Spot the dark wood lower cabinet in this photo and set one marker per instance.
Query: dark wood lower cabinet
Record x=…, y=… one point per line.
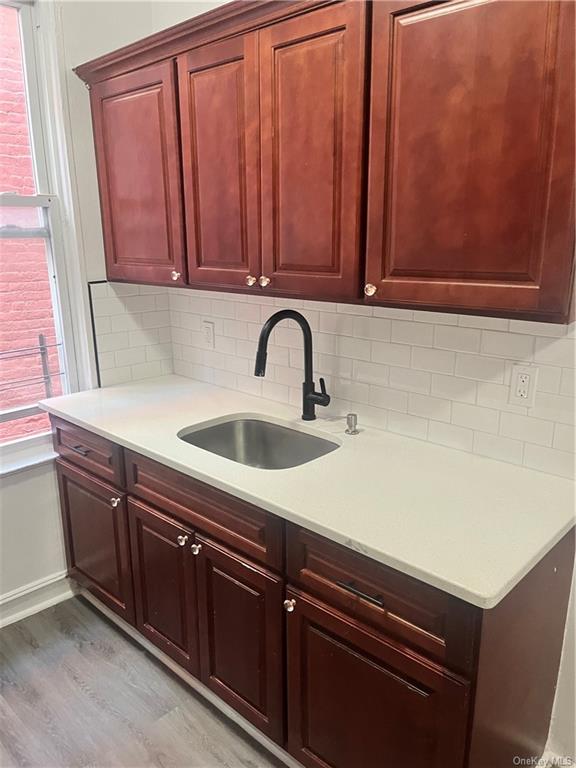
x=368, y=668
x=358, y=700
x=164, y=583
x=241, y=635
x=96, y=537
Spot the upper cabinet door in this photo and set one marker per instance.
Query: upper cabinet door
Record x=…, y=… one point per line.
x=219, y=116
x=312, y=102
x=138, y=160
x=471, y=161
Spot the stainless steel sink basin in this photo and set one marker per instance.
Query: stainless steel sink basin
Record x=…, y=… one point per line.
x=259, y=443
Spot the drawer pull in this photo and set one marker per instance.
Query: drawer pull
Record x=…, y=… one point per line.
x=182, y=540
x=289, y=606
x=196, y=549
x=114, y=501
x=349, y=586
x=81, y=450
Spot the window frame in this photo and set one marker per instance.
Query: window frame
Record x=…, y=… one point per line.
x=43, y=131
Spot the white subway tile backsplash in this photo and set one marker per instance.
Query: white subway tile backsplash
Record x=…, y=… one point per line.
x=453, y=388
x=527, y=429
x=421, y=334
x=371, y=373
x=549, y=460
x=456, y=338
x=378, y=362
x=475, y=417
x=409, y=380
x=497, y=447
x=391, y=354
x=555, y=352
x=564, y=438
x=408, y=425
x=513, y=346
x=429, y=407
x=450, y=435
x=436, y=360
x=392, y=399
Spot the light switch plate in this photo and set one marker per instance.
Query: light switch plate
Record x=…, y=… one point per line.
x=208, y=333
x=523, y=385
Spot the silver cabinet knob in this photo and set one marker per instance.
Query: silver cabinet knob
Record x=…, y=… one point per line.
x=250, y=280
x=263, y=281
x=195, y=548
x=182, y=540
x=175, y=275
x=289, y=606
x=114, y=501
x=370, y=289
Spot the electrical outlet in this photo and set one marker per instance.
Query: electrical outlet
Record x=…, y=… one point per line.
x=523, y=385
x=208, y=333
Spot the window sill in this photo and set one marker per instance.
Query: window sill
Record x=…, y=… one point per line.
x=25, y=453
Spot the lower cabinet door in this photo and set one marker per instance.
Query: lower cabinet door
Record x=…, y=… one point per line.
x=241, y=637
x=96, y=537
x=356, y=700
x=164, y=583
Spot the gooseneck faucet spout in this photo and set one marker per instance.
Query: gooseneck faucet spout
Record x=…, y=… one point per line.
x=310, y=398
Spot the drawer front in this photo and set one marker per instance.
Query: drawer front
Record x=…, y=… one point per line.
x=89, y=451
x=234, y=522
x=427, y=619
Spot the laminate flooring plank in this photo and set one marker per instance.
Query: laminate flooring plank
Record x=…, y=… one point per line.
x=76, y=692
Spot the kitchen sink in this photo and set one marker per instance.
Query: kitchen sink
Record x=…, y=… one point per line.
x=258, y=443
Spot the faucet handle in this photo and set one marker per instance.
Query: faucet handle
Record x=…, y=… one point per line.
x=322, y=386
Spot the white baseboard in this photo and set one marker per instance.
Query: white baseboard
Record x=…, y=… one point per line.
x=34, y=597
x=270, y=745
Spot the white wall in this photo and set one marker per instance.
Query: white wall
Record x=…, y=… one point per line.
x=32, y=565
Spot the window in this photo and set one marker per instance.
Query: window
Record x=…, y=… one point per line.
x=34, y=363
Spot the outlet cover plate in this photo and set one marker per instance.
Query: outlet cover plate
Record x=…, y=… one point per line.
x=523, y=385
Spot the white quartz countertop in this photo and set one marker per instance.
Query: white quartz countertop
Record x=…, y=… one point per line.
x=468, y=525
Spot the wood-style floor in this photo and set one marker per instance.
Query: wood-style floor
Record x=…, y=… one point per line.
x=76, y=692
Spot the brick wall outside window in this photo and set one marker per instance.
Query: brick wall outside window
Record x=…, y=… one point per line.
x=25, y=297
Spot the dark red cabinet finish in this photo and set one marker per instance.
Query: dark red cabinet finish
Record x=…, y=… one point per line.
x=356, y=699
x=312, y=97
x=471, y=167
x=164, y=583
x=220, y=132
x=241, y=635
x=364, y=667
x=138, y=161
x=96, y=537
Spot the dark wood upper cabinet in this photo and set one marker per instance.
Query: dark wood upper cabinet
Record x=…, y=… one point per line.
x=96, y=537
x=356, y=699
x=220, y=147
x=471, y=159
x=241, y=635
x=311, y=102
x=164, y=583
x=138, y=162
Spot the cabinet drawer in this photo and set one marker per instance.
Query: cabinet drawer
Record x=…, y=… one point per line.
x=437, y=624
x=89, y=451
x=234, y=522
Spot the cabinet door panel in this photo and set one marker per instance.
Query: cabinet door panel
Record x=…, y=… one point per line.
x=164, y=584
x=219, y=116
x=138, y=160
x=312, y=98
x=472, y=155
x=96, y=537
x=241, y=643
x=356, y=699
